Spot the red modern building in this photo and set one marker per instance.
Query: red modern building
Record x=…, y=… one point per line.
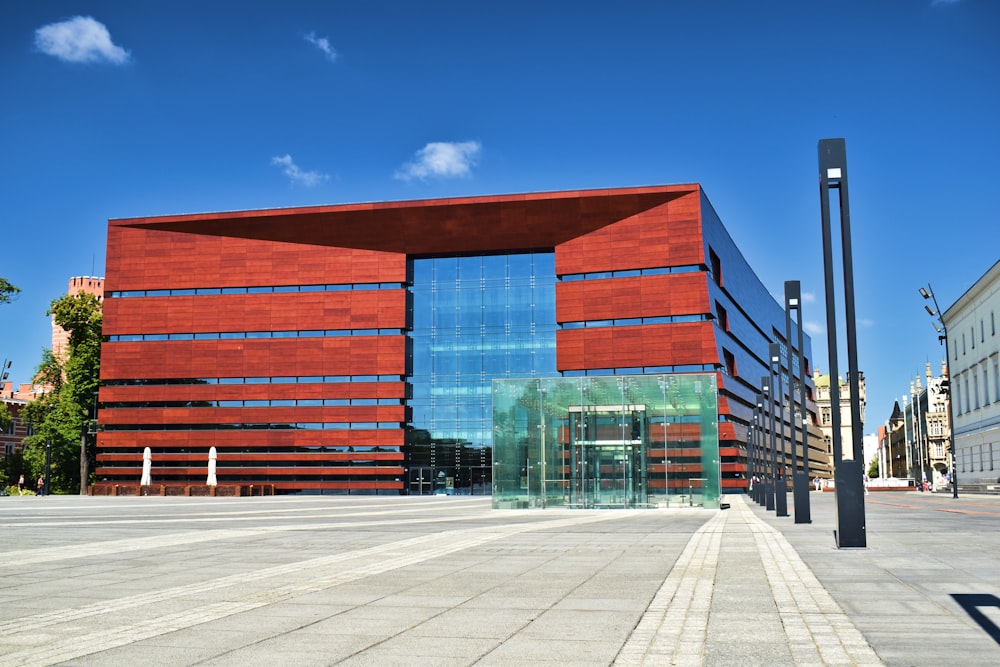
x=351, y=348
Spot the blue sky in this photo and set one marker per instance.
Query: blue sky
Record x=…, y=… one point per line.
x=121, y=109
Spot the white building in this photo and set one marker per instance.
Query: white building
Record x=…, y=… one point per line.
x=974, y=358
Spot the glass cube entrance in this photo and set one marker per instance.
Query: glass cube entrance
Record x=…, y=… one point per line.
x=606, y=442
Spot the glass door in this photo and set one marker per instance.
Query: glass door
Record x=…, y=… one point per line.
x=420, y=481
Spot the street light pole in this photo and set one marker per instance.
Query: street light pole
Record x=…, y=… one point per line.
x=48, y=465
x=943, y=339
x=761, y=448
x=778, y=401
x=767, y=391
x=751, y=464
x=800, y=478
x=921, y=428
x=847, y=472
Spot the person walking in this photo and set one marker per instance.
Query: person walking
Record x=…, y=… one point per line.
x=41, y=486
x=20, y=485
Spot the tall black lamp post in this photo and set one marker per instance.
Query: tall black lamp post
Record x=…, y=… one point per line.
x=4, y=373
x=752, y=455
x=778, y=402
x=48, y=466
x=847, y=472
x=800, y=478
x=943, y=339
x=767, y=392
x=761, y=451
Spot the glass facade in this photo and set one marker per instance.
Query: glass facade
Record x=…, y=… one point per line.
x=606, y=442
x=475, y=319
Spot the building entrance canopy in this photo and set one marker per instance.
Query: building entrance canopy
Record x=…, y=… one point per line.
x=633, y=441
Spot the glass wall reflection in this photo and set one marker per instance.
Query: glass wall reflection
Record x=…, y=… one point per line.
x=474, y=319
x=631, y=441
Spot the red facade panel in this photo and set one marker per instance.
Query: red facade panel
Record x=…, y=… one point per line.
x=632, y=297
x=347, y=355
x=680, y=344
x=666, y=235
x=147, y=259
x=357, y=309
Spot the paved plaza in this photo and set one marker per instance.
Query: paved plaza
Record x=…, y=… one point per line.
x=324, y=580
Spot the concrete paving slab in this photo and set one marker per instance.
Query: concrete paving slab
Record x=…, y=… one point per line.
x=389, y=580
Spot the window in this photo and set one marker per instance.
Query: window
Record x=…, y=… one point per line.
x=996, y=377
x=730, y=362
x=716, y=267
x=825, y=416
x=986, y=383
x=975, y=389
x=723, y=316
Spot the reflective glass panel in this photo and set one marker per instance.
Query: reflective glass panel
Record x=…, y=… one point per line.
x=628, y=441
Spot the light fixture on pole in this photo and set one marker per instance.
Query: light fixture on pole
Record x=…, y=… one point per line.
x=942, y=330
x=800, y=478
x=761, y=450
x=848, y=472
x=754, y=470
x=769, y=457
x=778, y=402
x=48, y=467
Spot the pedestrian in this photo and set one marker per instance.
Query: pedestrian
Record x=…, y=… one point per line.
x=20, y=485
x=864, y=481
x=41, y=485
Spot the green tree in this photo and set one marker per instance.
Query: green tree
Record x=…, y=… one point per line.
x=873, y=468
x=5, y=417
x=8, y=292
x=60, y=416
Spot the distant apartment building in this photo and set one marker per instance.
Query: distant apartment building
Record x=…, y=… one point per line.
x=12, y=436
x=824, y=410
x=914, y=440
x=974, y=357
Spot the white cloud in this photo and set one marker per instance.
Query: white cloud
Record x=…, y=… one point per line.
x=295, y=174
x=866, y=323
x=80, y=39
x=808, y=297
x=441, y=159
x=323, y=44
x=813, y=328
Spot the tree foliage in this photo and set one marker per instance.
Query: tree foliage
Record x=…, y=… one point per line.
x=873, y=468
x=8, y=292
x=59, y=416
